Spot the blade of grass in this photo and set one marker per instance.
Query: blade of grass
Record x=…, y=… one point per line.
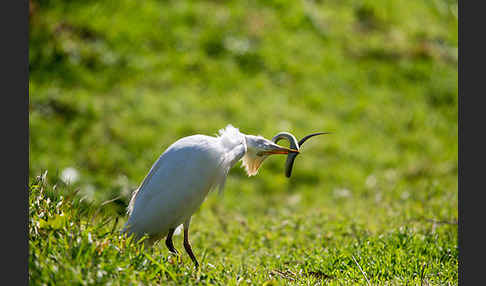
x=361, y=269
x=162, y=267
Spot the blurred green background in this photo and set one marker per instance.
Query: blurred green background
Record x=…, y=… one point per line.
x=113, y=83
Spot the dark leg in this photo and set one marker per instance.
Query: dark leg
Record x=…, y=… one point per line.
x=187, y=245
x=168, y=241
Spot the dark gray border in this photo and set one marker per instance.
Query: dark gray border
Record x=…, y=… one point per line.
x=471, y=123
x=14, y=23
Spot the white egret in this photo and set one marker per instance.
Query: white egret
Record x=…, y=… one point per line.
x=180, y=179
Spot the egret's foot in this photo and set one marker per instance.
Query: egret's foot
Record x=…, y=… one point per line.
x=174, y=252
x=196, y=264
x=171, y=259
x=174, y=258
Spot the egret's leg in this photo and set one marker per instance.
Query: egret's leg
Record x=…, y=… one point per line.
x=168, y=241
x=187, y=245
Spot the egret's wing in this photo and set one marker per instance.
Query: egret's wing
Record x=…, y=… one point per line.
x=176, y=184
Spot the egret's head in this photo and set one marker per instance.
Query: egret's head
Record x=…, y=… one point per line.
x=258, y=149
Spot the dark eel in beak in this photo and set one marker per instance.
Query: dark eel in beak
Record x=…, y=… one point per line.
x=294, y=144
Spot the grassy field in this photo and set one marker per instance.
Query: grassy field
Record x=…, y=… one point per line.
x=114, y=83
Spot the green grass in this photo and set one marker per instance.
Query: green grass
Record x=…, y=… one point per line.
x=248, y=244
x=112, y=84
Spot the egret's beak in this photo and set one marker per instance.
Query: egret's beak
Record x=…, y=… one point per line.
x=277, y=149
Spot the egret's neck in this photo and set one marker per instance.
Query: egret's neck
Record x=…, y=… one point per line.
x=233, y=143
x=236, y=148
